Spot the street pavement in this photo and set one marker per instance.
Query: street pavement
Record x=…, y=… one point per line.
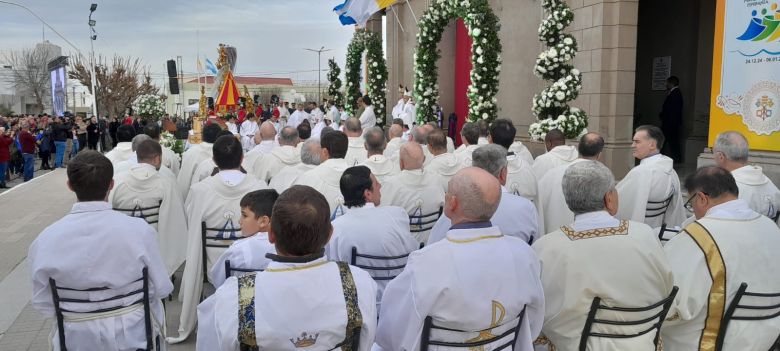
x=25, y=210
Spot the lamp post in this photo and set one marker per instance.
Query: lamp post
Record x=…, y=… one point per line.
x=92, y=39
x=319, y=71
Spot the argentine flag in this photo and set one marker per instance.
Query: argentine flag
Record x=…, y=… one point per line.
x=359, y=11
x=210, y=67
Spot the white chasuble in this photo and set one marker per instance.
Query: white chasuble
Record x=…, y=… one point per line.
x=757, y=190
x=273, y=162
x=171, y=160
x=653, y=180
x=382, y=167
x=325, y=178
x=246, y=253
x=464, y=156
x=121, y=152
x=216, y=202
x=445, y=165
x=94, y=247
x=398, y=109
x=620, y=262
x=144, y=187
x=189, y=163
x=520, y=179
x=559, y=155
x=248, y=130
x=391, y=150
x=551, y=199
x=520, y=150
x=368, y=118
x=418, y=192
x=285, y=178
x=475, y=280
x=710, y=258
x=356, y=151
x=299, y=304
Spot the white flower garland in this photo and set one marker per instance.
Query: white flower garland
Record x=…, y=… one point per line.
x=371, y=43
x=551, y=105
x=483, y=27
x=149, y=106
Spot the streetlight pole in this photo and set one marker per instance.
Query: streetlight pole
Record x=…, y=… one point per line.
x=92, y=39
x=319, y=71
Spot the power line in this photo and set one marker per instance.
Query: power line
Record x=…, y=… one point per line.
x=44, y=22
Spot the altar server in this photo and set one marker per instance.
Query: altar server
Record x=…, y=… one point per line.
x=558, y=153
x=729, y=244
x=215, y=201
x=381, y=166
x=462, y=282
x=731, y=153
x=551, y=199
x=418, y=191
x=301, y=300
x=576, y=257
x=443, y=163
x=123, y=149
x=653, y=180
x=194, y=155
x=248, y=130
x=143, y=187
x=310, y=158
x=93, y=247
x=515, y=216
x=170, y=159
x=356, y=151
x=369, y=228
x=325, y=177
x=249, y=253
x=284, y=155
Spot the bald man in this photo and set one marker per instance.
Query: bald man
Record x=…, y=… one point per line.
x=475, y=290
x=394, y=136
x=558, y=153
x=265, y=142
x=356, y=150
x=417, y=191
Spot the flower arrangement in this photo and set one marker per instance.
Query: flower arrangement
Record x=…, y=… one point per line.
x=334, y=88
x=551, y=105
x=483, y=27
x=169, y=140
x=150, y=107
x=371, y=43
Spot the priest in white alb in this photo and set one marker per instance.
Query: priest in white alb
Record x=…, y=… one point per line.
x=381, y=167
x=310, y=158
x=731, y=153
x=170, y=159
x=284, y=155
x=369, y=228
x=356, y=151
x=301, y=301
x=551, y=199
x=650, y=185
x=597, y=255
x=123, y=149
x=558, y=153
x=95, y=247
x=298, y=116
x=405, y=109
x=368, y=117
x=443, y=163
x=469, y=134
x=264, y=141
x=326, y=176
x=520, y=178
x=463, y=282
x=191, y=158
x=418, y=191
x=395, y=140
x=142, y=192
x=729, y=244
x=214, y=201
x=248, y=130
x=516, y=216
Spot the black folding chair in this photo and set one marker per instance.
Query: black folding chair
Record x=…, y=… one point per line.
x=587, y=331
x=475, y=342
x=150, y=214
x=230, y=269
x=776, y=217
x=219, y=240
x=662, y=233
x=658, y=208
x=143, y=298
x=771, y=305
x=424, y=222
x=374, y=271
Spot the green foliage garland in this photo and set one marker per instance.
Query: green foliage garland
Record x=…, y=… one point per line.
x=551, y=105
x=371, y=43
x=334, y=88
x=483, y=27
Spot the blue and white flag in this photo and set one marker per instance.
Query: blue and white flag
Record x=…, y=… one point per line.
x=359, y=11
x=210, y=67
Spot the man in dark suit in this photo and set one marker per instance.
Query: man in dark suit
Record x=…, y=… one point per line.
x=671, y=119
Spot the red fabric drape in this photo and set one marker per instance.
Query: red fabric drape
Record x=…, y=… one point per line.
x=462, y=74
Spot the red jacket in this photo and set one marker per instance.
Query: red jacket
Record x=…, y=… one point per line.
x=28, y=142
x=5, y=152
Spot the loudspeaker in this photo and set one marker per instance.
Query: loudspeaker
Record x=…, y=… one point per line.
x=173, y=79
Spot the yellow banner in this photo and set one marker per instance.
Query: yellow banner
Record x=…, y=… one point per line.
x=746, y=72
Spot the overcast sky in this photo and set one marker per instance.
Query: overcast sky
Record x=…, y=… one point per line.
x=269, y=35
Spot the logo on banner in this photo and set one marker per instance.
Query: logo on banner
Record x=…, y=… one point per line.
x=760, y=108
x=765, y=27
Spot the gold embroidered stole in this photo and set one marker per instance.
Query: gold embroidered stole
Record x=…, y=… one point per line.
x=247, y=338
x=354, y=316
x=621, y=229
x=717, y=297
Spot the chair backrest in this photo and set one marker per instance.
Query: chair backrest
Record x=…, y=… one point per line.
x=776, y=217
x=142, y=295
x=658, y=317
x=662, y=236
x=150, y=214
x=419, y=223
x=222, y=238
x=658, y=208
x=765, y=303
x=484, y=337
x=375, y=270
x=230, y=269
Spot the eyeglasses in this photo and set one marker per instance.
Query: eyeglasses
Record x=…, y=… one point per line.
x=689, y=204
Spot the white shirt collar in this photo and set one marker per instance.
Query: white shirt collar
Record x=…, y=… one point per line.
x=651, y=158
x=593, y=220
x=90, y=206
x=231, y=177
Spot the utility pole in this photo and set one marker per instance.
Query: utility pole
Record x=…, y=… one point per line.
x=92, y=39
x=73, y=90
x=319, y=71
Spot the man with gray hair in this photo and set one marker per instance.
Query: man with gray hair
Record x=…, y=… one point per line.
x=731, y=153
x=576, y=257
x=470, y=136
x=516, y=216
x=287, y=154
x=477, y=279
x=310, y=158
x=419, y=135
x=394, y=141
x=356, y=150
x=381, y=166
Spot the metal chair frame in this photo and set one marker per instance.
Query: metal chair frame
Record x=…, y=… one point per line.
x=596, y=306
x=665, y=230
x=658, y=208
x=428, y=326
x=370, y=269
x=144, y=299
x=205, y=238
x=230, y=269
x=734, y=305
x=140, y=210
x=423, y=224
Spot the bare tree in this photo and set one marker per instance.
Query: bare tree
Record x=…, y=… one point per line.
x=29, y=72
x=119, y=82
